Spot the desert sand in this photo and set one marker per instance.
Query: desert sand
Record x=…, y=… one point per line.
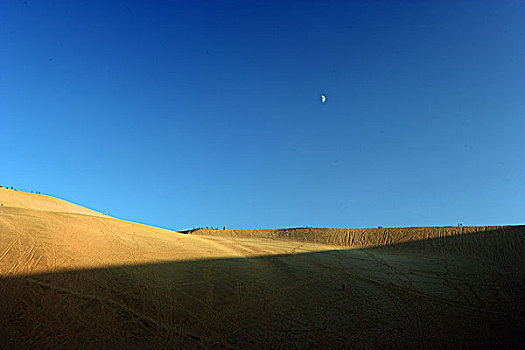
x=71, y=277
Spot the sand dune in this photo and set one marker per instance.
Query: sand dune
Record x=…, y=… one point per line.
x=55, y=235
x=431, y=239
x=13, y=198
x=73, y=278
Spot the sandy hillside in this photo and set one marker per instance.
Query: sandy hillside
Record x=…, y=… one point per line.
x=73, y=278
x=18, y=199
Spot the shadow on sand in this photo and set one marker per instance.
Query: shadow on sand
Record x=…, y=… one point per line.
x=465, y=291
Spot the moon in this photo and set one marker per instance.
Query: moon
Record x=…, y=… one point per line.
x=323, y=98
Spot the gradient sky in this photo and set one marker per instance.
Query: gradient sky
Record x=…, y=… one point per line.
x=183, y=114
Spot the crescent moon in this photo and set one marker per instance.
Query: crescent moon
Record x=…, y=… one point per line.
x=323, y=98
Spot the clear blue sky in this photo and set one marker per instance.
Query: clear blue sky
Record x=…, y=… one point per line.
x=182, y=114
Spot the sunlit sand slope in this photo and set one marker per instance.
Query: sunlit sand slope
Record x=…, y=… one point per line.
x=372, y=237
x=26, y=200
x=70, y=280
x=34, y=241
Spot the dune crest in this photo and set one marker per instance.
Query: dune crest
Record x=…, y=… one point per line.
x=74, y=278
x=19, y=199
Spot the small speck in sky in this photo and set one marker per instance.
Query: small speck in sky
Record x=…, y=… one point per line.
x=323, y=98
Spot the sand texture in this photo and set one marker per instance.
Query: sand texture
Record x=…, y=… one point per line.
x=74, y=278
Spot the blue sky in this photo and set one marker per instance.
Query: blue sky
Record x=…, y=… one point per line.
x=183, y=114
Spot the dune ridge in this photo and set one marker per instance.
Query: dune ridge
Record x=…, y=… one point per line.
x=70, y=278
x=503, y=239
x=20, y=199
